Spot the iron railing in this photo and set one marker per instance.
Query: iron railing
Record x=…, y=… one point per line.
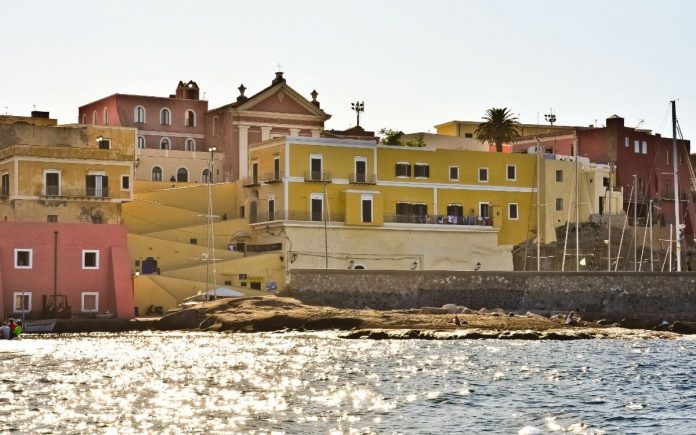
x=361, y=178
x=271, y=177
x=318, y=176
x=438, y=219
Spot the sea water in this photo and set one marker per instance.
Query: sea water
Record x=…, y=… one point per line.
x=202, y=382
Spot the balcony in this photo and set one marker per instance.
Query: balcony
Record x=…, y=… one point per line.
x=293, y=215
x=438, y=219
x=318, y=176
x=250, y=181
x=271, y=177
x=668, y=195
x=361, y=178
x=89, y=192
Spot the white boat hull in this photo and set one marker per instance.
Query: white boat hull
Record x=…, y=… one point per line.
x=39, y=325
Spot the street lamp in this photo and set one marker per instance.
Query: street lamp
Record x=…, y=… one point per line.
x=358, y=106
x=550, y=117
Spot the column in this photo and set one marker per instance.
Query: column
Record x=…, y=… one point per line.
x=243, y=150
x=294, y=132
x=265, y=133
x=316, y=133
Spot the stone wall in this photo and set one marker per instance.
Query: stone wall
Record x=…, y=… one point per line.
x=646, y=296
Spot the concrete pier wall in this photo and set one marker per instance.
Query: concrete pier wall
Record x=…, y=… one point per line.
x=645, y=295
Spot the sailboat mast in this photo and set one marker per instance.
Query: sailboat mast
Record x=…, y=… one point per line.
x=577, y=209
x=675, y=166
x=538, y=214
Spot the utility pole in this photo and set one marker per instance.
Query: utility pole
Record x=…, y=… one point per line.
x=611, y=191
x=635, y=222
x=675, y=166
x=577, y=209
x=538, y=186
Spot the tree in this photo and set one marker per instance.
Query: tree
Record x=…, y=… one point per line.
x=499, y=126
x=394, y=137
x=390, y=137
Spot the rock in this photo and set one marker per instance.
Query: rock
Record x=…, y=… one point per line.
x=683, y=327
x=434, y=310
x=468, y=311
x=451, y=308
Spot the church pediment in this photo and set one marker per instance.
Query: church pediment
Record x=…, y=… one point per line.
x=281, y=101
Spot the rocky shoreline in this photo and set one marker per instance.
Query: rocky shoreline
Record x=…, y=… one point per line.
x=263, y=314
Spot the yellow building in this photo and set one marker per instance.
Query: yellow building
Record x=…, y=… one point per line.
x=347, y=203
x=63, y=173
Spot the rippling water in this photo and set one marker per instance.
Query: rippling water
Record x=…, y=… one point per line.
x=197, y=382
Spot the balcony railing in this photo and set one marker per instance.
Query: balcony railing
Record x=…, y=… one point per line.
x=293, y=215
x=271, y=177
x=360, y=178
x=669, y=195
x=250, y=181
x=438, y=219
x=318, y=176
x=89, y=192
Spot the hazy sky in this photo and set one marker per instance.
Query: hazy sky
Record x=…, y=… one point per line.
x=415, y=64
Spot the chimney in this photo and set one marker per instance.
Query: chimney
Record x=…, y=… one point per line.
x=615, y=121
x=39, y=114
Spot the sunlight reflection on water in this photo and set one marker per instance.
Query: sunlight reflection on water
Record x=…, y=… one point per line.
x=198, y=382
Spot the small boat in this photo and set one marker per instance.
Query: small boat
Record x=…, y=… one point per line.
x=45, y=325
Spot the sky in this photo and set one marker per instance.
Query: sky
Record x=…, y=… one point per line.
x=415, y=64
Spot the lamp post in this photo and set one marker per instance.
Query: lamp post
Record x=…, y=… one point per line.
x=358, y=106
x=550, y=117
x=211, y=234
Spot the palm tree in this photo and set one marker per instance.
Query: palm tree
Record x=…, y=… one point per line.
x=500, y=127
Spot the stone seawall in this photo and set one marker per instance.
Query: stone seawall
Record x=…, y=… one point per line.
x=649, y=296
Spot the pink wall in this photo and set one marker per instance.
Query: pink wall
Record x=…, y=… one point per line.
x=112, y=280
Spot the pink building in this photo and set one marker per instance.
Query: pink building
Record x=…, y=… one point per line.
x=87, y=263
x=277, y=110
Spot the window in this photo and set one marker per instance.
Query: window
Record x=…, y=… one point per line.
x=94, y=117
x=90, y=259
x=165, y=144
x=165, y=117
x=271, y=208
x=644, y=149
x=483, y=175
x=97, y=185
x=360, y=166
x=215, y=125
x=513, y=213
x=511, y=172
x=182, y=175
x=276, y=168
x=455, y=210
x=21, y=302
x=104, y=144
x=421, y=170
x=156, y=173
x=141, y=142
x=315, y=167
x=190, y=120
x=106, y=116
x=23, y=258
x=125, y=182
x=52, y=182
x=255, y=172
x=484, y=209
x=559, y=175
x=605, y=181
x=205, y=176
x=90, y=302
x=190, y=145
x=403, y=169
x=668, y=157
x=403, y=208
x=52, y=218
x=559, y=204
x=454, y=173
x=5, y=185
x=626, y=141
x=84, y=118
x=636, y=146
x=366, y=208
x=469, y=135
x=316, y=206
x=139, y=115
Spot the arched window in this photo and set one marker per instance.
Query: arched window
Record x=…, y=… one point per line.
x=165, y=144
x=156, y=173
x=182, y=175
x=84, y=118
x=94, y=117
x=190, y=120
x=165, y=117
x=205, y=177
x=106, y=116
x=141, y=142
x=190, y=145
x=139, y=114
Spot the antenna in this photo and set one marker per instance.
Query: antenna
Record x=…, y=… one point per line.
x=640, y=123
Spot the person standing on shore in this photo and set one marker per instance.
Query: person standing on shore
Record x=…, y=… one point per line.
x=18, y=329
x=12, y=326
x=5, y=331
